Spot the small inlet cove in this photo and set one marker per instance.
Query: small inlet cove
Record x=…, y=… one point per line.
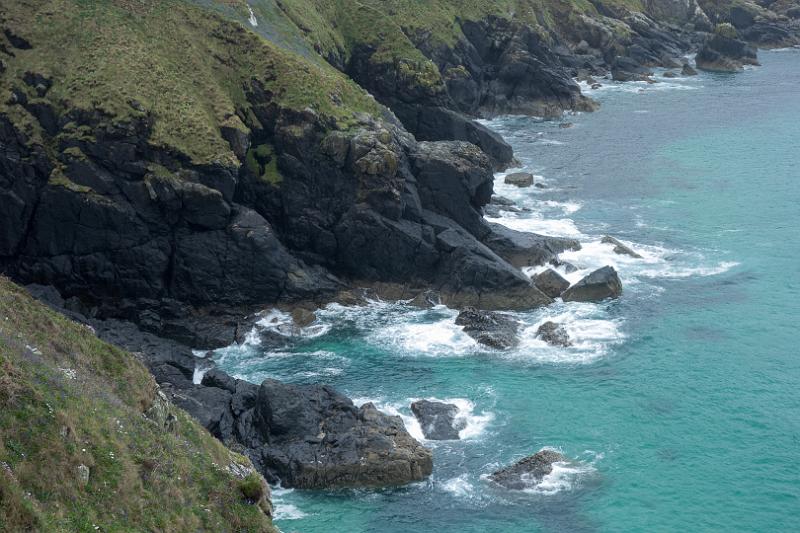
x=674, y=407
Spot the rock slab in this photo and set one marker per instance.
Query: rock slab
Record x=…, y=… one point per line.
x=438, y=420
x=488, y=328
x=527, y=472
x=599, y=285
x=554, y=334
x=551, y=283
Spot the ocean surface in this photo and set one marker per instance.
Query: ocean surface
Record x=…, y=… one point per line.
x=679, y=405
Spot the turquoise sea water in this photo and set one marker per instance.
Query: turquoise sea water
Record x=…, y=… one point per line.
x=679, y=406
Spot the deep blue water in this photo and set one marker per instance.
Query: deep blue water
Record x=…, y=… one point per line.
x=679, y=406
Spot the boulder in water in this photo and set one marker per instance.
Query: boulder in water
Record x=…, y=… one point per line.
x=554, y=334
x=303, y=317
x=438, y=420
x=520, y=179
x=599, y=285
x=670, y=74
x=620, y=248
x=489, y=328
x=688, y=70
x=551, y=283
x=316, y=438
x=528, y=472
x=426, y=299
x=568, y=267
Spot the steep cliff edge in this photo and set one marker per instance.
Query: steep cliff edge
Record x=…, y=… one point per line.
x=88, y=442
x=439, y=64
x=159, y=160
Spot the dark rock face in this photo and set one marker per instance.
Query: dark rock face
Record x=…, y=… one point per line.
x=523, y=249
x=528, y=472
x=520, y=179
x=724, y=52
x=501, y=67
x=628, y=69
x=554, y=334
x=307, y=436
x=440, y=123
x=144, y=235
x=438, y=420
x=619, y=247
x=599, y=285
x=317, y=438
x=490, y=329
x=551, y=283
x=688, y=70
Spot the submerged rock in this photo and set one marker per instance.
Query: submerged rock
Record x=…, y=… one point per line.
x=520, y=179
x=670, y=74
x=555, y=334
x=488, y=328
x=619, y=247
x=523, y=249
x=426, y=300
x=568, y=267
x=688, y=70
x=438, y=420
x=303, y=317
x=551, y=283
x=528, y=472
x=498, y=205
x=599, y=285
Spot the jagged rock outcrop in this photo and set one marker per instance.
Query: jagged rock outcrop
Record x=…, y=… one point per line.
x=620, y=248
x=307, y=436
x=725, y=52
x=554, y=334
x=528, y=472
x=488, y=328
x=300, y=209
x=599, y=285
x=438, y=420
x=551, y=283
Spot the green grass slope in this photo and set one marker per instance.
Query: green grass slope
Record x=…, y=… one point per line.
x=71, y=405
x=173, y=63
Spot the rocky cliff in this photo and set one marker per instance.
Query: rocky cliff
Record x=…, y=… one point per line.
x=177, y=164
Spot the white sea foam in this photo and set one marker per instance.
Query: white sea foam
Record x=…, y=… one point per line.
x=679, y=84
x=656, y=262
x=281, y=323
x=459, y=486
x=533, y=222
x=475, y=424
x=590, y=331
x=284, y=510
x=550, y=142
x=437, y=338
x=566, y=475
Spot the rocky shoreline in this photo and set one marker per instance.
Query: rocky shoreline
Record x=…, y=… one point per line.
x=158, y=251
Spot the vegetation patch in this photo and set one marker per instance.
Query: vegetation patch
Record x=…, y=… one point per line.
x=77, y=452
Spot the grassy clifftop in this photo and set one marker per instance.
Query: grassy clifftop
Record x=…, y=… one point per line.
x=166, y=60
x=87, y=444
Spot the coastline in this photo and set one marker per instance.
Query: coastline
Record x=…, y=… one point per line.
x=163, y=331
